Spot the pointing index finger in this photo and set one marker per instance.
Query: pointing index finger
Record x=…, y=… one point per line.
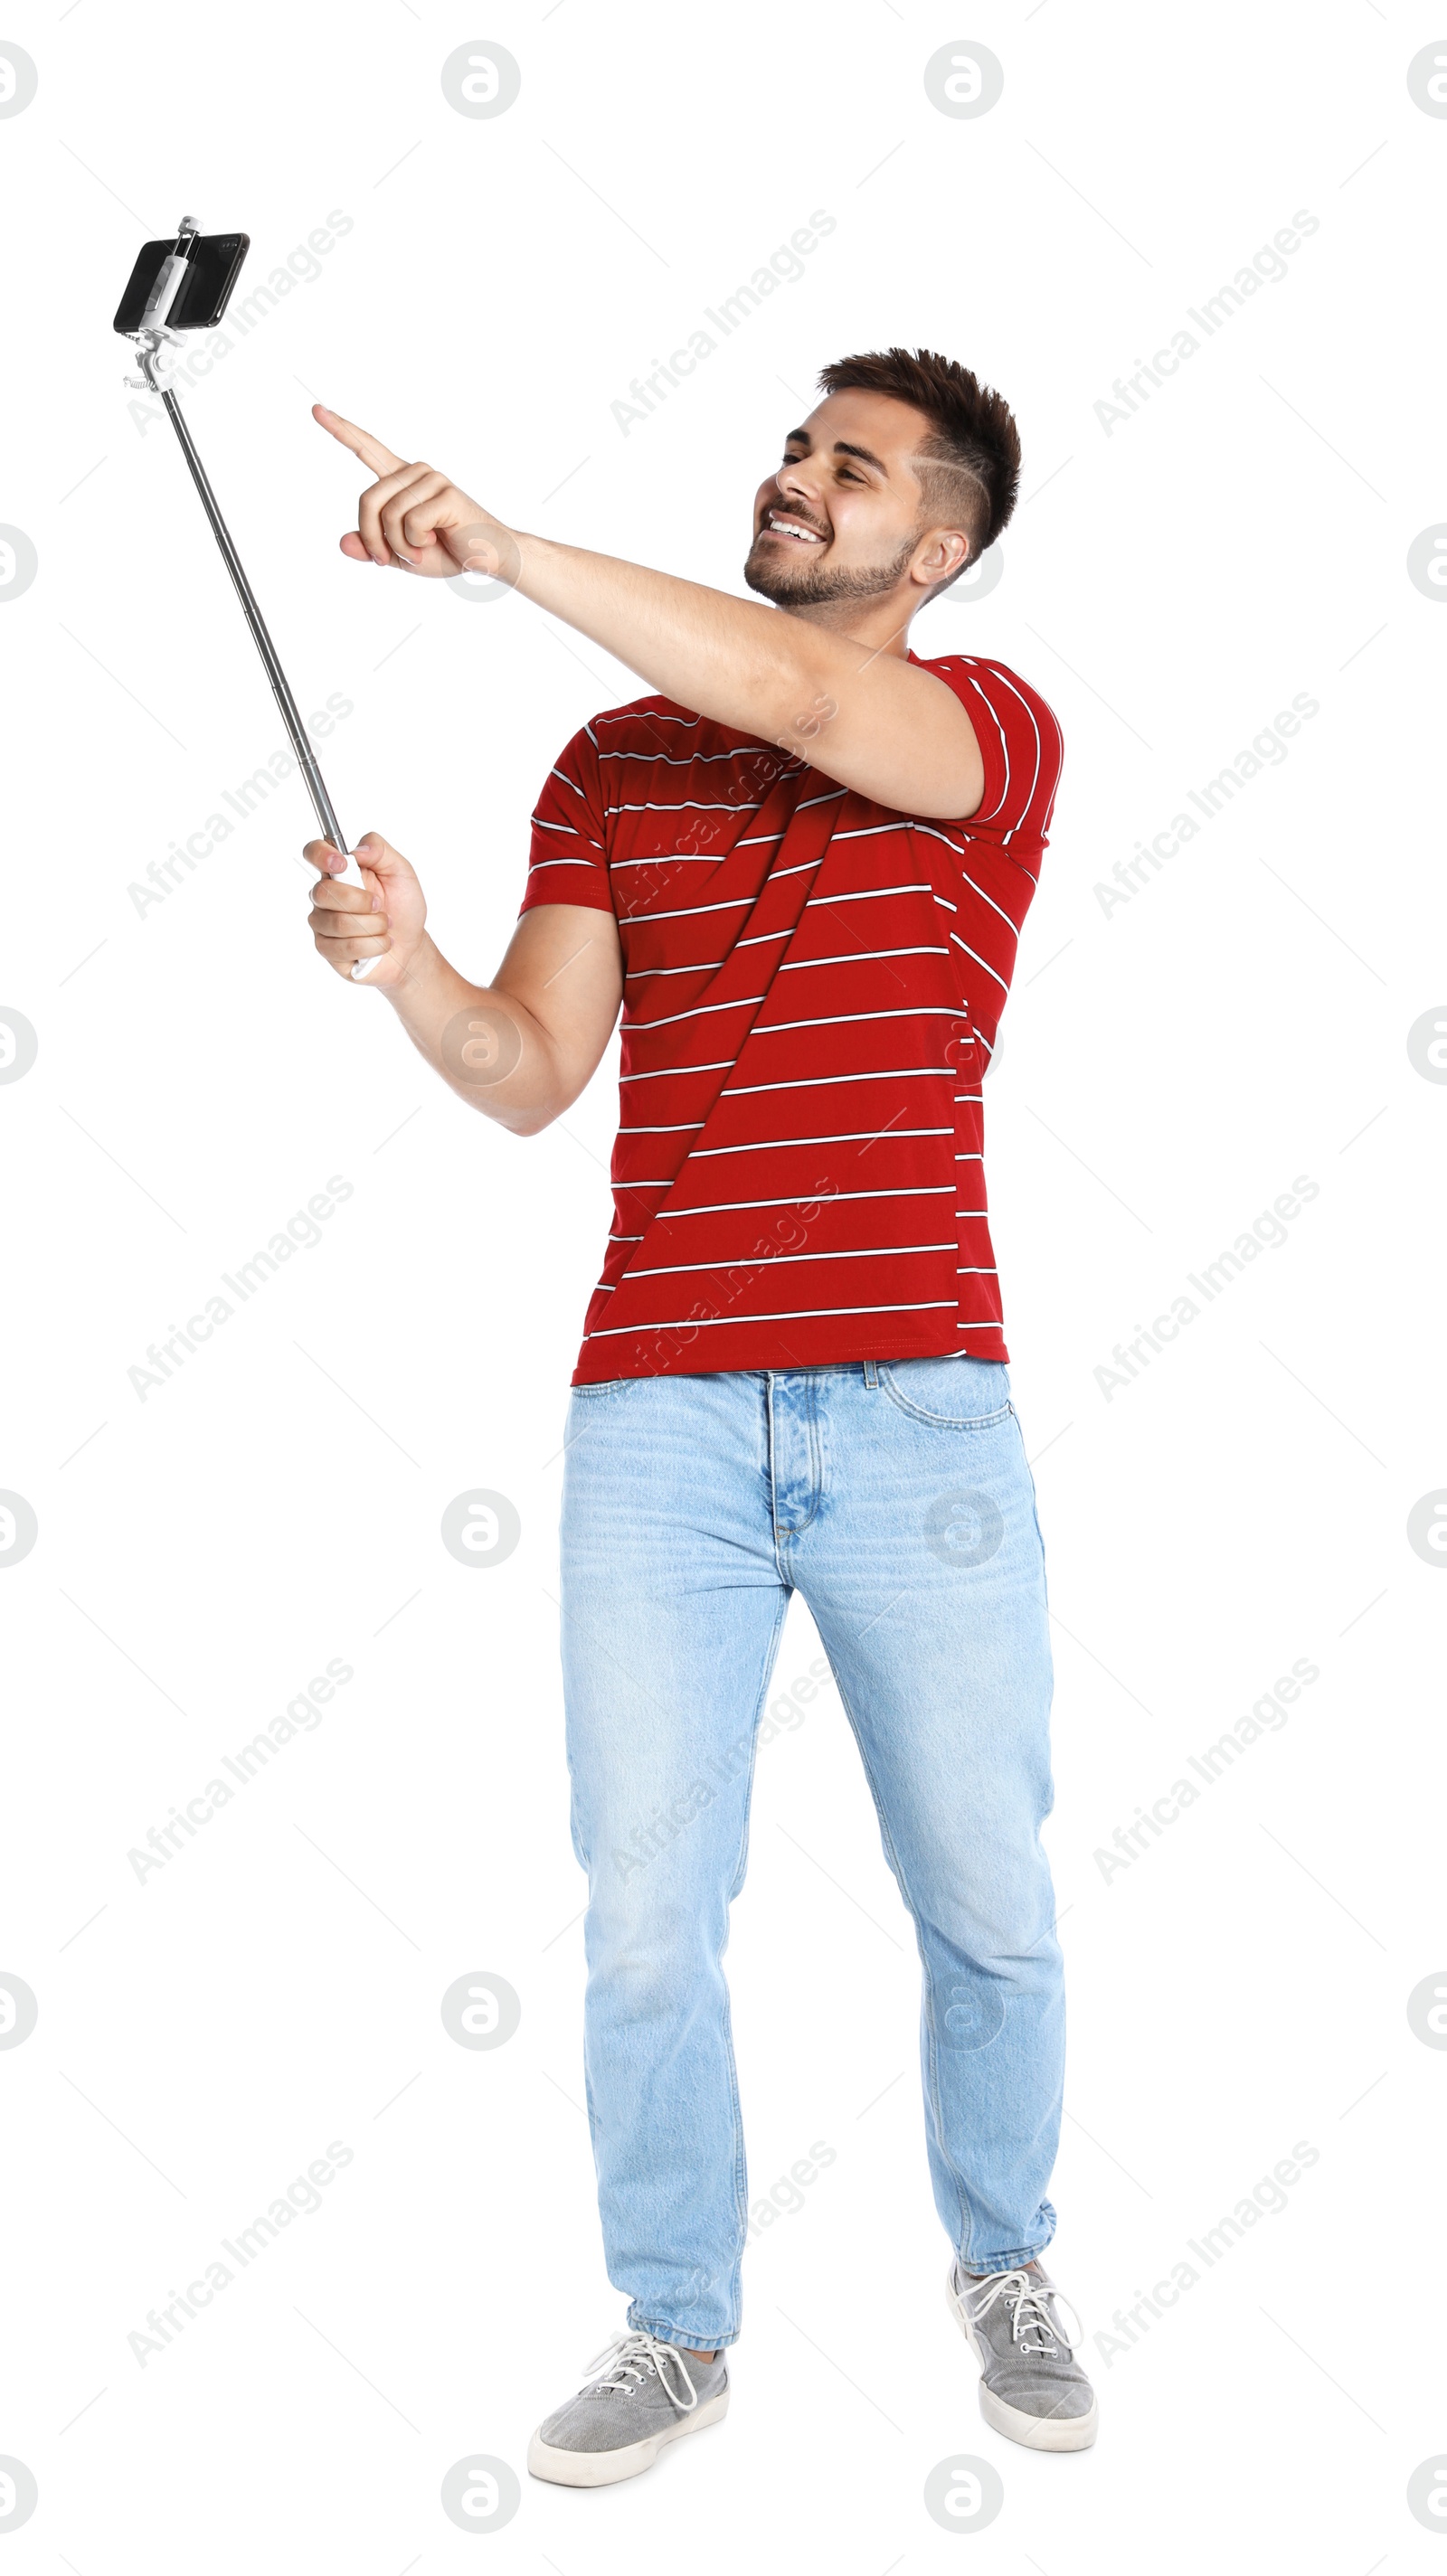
x=360, y=441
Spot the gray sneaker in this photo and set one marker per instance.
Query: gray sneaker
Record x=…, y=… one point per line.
x=647, y=2394
x=1031, y=2386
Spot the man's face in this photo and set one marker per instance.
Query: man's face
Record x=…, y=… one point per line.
x=846, y=516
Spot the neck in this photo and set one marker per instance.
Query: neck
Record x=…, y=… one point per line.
x=881, y=625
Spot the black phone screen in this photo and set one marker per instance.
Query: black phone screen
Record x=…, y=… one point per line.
x=211, y=272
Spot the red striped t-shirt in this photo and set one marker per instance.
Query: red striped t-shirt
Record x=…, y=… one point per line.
x=812, y=988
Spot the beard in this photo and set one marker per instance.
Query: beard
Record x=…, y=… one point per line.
x=804, y=584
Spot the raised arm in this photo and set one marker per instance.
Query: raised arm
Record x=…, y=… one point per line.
x=521, y=1048
x=865, y=716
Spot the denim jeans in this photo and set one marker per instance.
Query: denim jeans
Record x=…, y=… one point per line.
x=896, y=1498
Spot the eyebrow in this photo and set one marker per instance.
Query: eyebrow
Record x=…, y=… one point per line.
x=844, y=447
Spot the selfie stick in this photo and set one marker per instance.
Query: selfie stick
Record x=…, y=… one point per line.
x=151, y=339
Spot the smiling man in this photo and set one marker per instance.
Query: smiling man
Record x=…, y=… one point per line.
x=801, y=866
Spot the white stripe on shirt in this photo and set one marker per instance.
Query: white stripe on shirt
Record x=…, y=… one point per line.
x=799, y=1198
x=782, y=1260
x=851, y=1136
x=794, y=1315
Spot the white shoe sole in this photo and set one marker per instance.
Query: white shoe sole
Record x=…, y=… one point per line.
x=1034, y=2432
x=605, y=2468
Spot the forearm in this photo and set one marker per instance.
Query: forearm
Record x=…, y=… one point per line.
x=738, y=662
x=487, y=1045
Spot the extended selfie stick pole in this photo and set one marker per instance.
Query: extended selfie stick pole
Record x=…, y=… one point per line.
x=150, y=340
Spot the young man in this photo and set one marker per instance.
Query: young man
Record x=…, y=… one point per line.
x=801, y=867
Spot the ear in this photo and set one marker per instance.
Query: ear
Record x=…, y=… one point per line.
x=945, y=552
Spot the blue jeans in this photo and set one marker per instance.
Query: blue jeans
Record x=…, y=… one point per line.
x=896, y=1498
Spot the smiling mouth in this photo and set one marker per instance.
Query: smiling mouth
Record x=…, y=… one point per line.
x=793, y=531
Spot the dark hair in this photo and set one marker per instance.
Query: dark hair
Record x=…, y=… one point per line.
x=973, y=433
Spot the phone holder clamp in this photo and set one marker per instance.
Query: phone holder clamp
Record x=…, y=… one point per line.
x=157, y=354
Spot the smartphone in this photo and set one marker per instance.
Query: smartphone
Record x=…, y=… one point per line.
x=213, y=264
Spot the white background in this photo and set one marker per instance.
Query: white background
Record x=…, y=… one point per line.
x=1168, y=1068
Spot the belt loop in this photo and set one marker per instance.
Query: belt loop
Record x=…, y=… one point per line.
x=871, y=1373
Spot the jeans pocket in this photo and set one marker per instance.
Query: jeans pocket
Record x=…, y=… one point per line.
x=953, y=1394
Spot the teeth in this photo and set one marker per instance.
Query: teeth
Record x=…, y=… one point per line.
x=785, y=528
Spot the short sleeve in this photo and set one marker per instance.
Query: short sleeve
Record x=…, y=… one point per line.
x=1021, y=746
x=998, y=849
x=569, y=861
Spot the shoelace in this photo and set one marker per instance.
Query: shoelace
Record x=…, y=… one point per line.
x=1029, y=2303
x=630, y=2357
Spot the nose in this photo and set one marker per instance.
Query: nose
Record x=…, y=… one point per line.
x=792, y=484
